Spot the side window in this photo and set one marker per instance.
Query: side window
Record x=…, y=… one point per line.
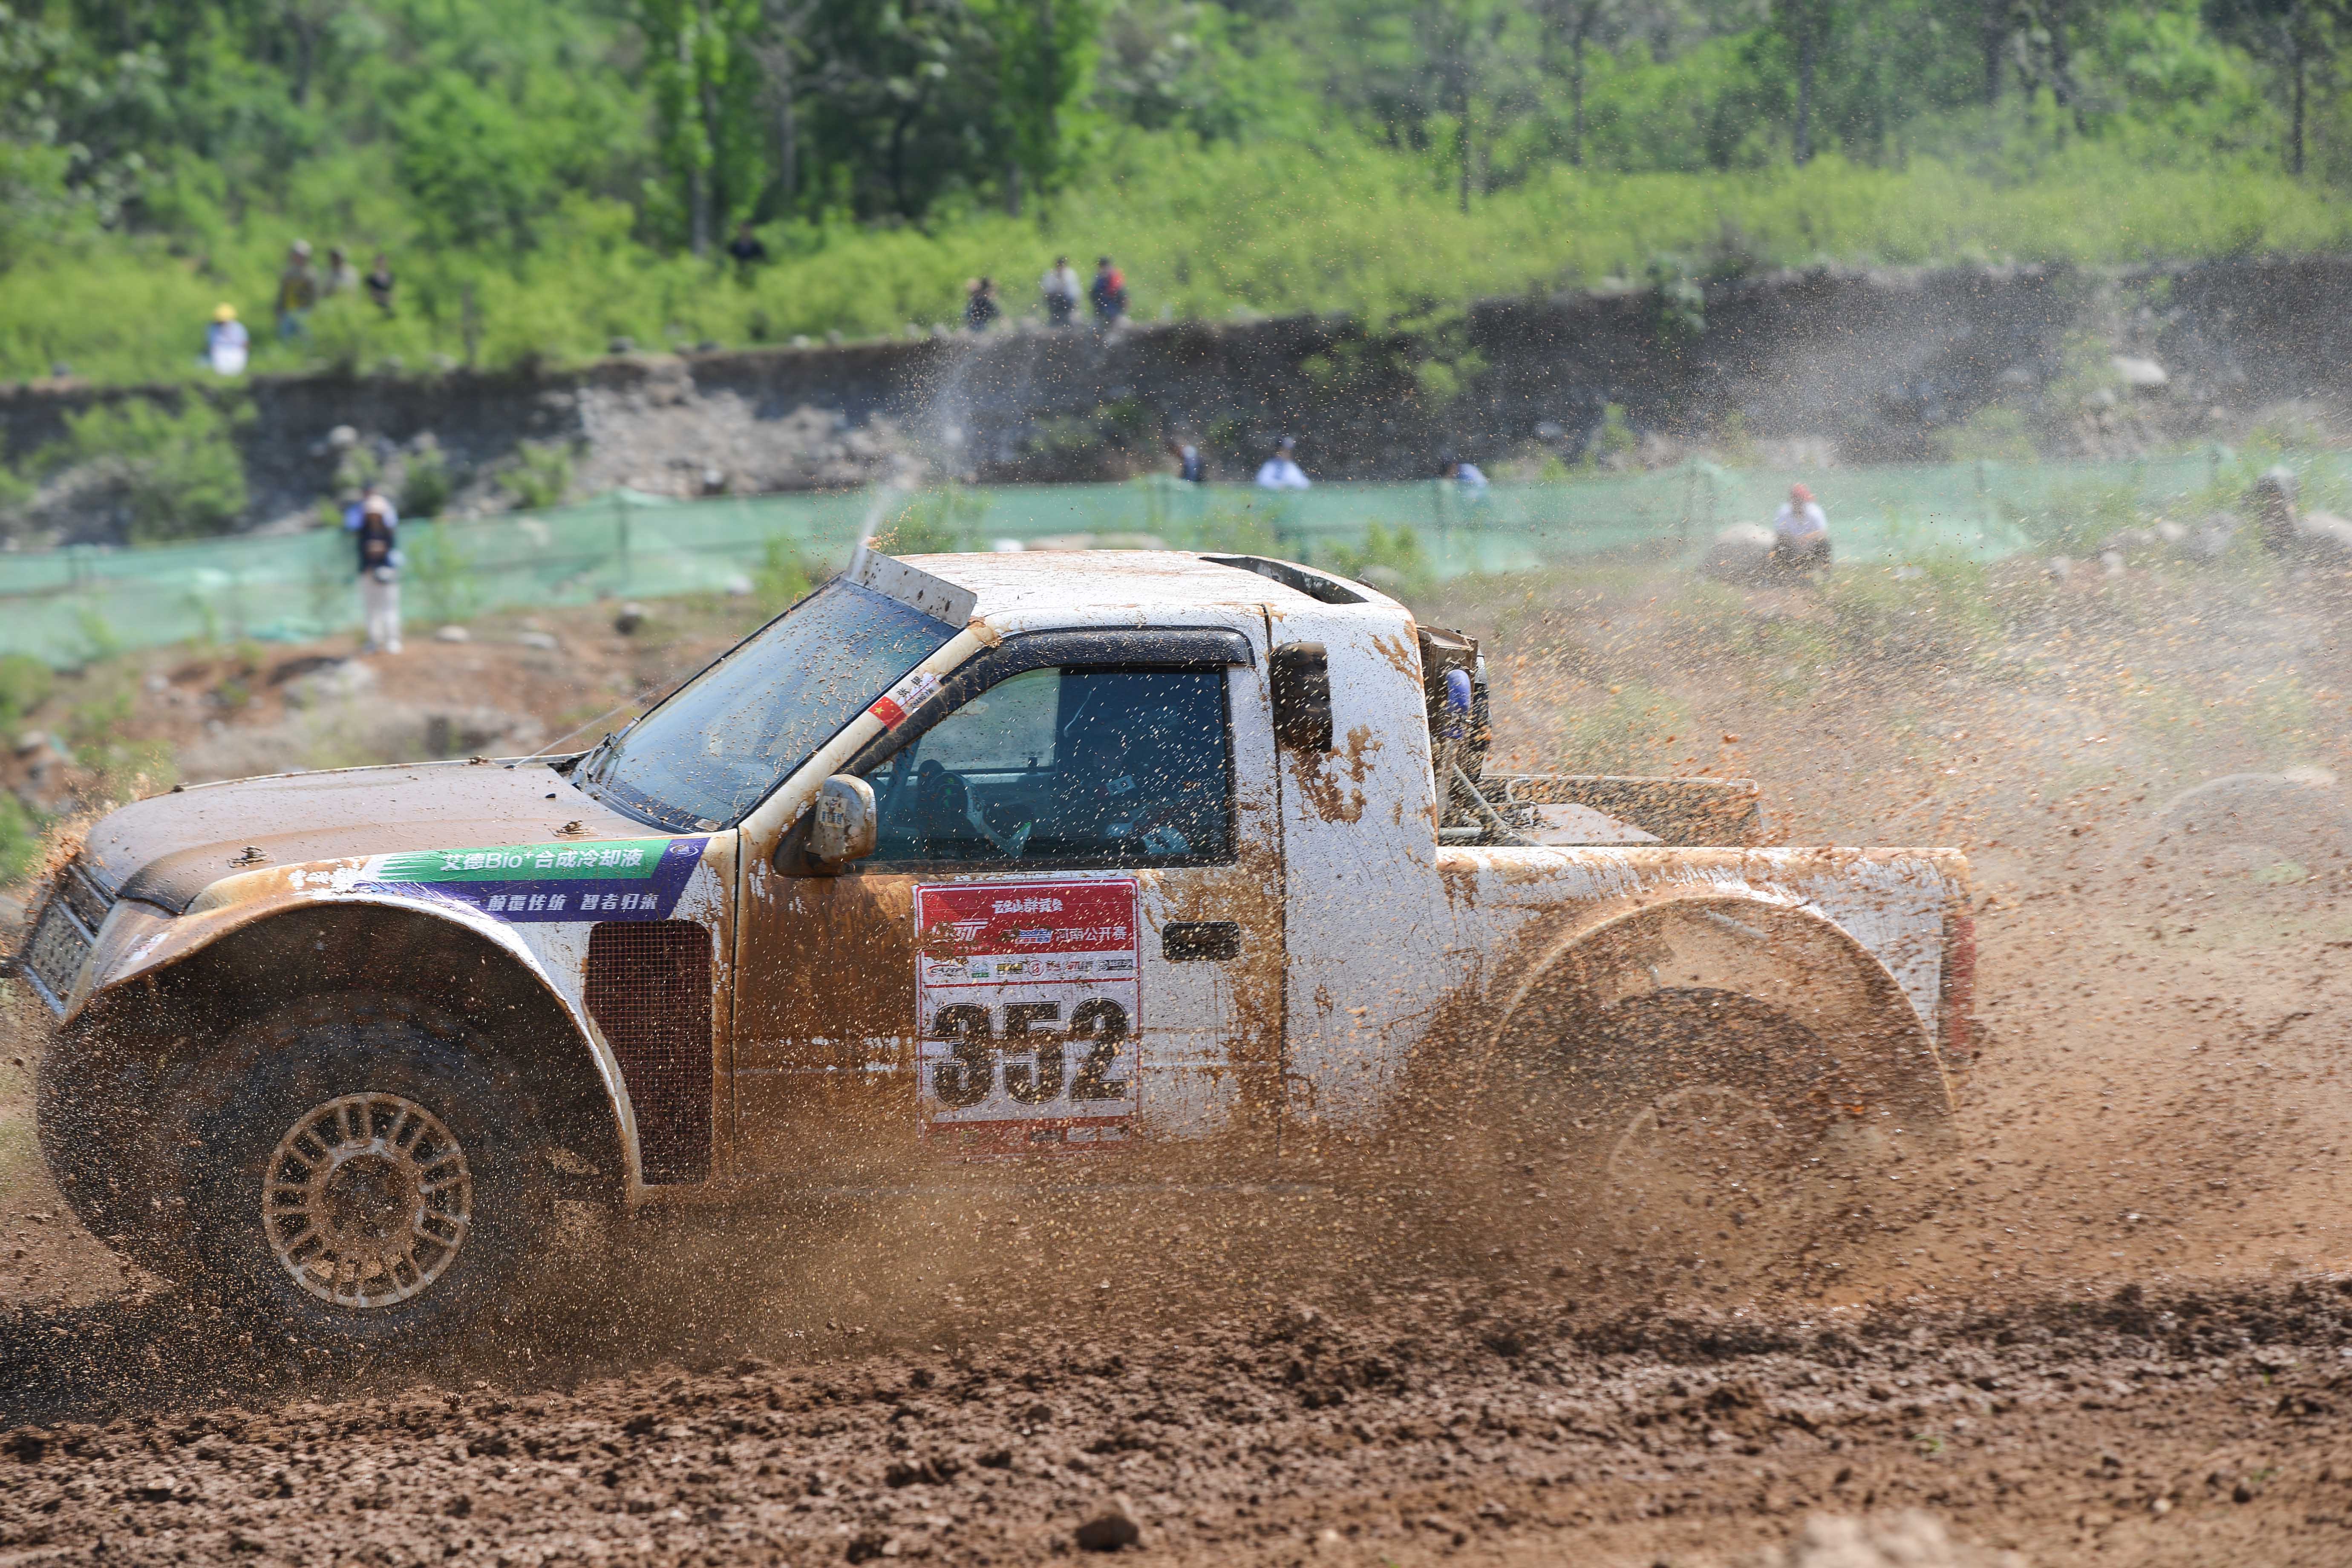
x=1071, y=767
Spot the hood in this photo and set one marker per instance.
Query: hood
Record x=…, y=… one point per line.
x=167, y=849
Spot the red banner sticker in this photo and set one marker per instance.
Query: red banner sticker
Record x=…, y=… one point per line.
x=1029, y=1001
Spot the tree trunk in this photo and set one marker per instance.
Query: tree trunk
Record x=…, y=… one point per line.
x=788, y=135
x=1012, y=188
x=2062, y=62
x=1993, y=36
x=1462, y=145
x=1576, y=100
x=2295, y=145
x=1807, y=46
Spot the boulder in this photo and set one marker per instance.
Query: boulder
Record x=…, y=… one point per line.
x=1740, y=553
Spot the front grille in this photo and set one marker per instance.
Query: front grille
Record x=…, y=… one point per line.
x=63, y=934
x=649, y=990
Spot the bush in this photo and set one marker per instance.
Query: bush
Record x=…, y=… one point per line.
x=20, y=839
x=934, y=522
x=443, y=572
x=1393, y=561
x=178, y=476
x=541, y=476
x=425, y=484
x=25, y=685
x=783, y=579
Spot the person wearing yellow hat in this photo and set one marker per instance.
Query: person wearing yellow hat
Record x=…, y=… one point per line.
x=227, y=344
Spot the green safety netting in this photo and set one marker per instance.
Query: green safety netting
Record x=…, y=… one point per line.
x=69, y=605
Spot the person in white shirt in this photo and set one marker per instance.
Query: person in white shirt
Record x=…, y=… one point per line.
x=227, y=342
x=1059, y=289
x=1281, y=471
x=1800, y=535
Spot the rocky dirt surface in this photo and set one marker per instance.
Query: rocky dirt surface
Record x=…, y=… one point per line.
x=2109, y=1329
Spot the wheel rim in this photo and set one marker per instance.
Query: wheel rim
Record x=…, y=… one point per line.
x=367, y=1201
x=1710, y=1170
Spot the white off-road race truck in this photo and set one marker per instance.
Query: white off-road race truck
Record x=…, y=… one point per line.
x=966, y=866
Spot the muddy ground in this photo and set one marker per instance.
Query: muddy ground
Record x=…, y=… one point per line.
x=2109, y=1329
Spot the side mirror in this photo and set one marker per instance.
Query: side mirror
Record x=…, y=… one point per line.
x=1301, y=674
x=844, y=825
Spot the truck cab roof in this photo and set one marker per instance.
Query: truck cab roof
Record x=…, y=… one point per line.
x=1082, y=587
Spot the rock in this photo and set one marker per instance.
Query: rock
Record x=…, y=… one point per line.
x=1113, y=1528
x=342, y=438
x=2139, y=374
x=801, y=341
x=632, y=616
x=2113, y=561
x=1910, y=1538
x=738, y=584
x=2061, y=568
x=453, y=634
x=339, y=682
x=2212, y=538
x=1740, y=553
x=539, y=639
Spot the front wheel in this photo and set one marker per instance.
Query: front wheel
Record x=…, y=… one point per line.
x=366, y=1182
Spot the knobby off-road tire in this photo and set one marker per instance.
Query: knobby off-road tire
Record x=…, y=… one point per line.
x=364, y=1180
x=1691, y=1137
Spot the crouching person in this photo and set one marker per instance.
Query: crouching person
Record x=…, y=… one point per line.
x=1800, y=537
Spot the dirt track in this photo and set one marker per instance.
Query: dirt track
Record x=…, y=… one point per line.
x=2108, y=1331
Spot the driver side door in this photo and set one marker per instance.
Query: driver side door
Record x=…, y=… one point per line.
x=1067, y=940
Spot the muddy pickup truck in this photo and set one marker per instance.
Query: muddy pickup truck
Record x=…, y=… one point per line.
x=967, y=868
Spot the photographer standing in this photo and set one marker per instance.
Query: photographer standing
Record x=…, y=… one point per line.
x=376, y=526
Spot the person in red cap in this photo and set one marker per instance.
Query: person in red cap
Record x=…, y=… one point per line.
x=1800, y=536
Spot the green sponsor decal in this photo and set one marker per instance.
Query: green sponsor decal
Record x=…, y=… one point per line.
x=607, y=860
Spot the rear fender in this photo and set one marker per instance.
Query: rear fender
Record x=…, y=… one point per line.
x=1739, y=939
x=161, y=986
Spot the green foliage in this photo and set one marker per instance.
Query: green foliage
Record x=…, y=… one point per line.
x=20, y=839
x=934, y=522
x=1613, y=442
x=425, y=484
x=1995, y=432
x=1622, y=733
x=442, y=568
x=24, y=684
x=176, y=475
x=1934, y=611
x=1234, y=527
x=1391, y=560
x=537, y=168
x=541, y=475
x=783, y=579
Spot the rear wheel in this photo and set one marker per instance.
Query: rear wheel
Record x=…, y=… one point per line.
x=366, y=1182
x=1694, y=1137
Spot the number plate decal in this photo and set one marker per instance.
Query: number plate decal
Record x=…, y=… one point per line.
x=1029, y=999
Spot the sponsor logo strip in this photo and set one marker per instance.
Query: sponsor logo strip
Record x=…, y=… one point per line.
x=621, y=879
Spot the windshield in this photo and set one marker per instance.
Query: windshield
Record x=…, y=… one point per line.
x=716, y=748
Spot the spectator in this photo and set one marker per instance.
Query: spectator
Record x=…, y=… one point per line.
x=1059, y=288
x=1189, y=467
x=747, y=249
x=376, y=527
x=1466, y=475
x=1281, y=471
x=1800, y=536
x=379, y=283
x=980, y=306
x=342, y=278
x=1108, y=293
x=297, y=291
x=227, y=342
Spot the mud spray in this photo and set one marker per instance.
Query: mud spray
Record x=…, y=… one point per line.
x=2105, y=1324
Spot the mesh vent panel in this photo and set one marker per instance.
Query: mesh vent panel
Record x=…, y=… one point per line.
x=649, y=991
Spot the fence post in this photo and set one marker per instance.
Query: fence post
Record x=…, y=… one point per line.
x=621, y=540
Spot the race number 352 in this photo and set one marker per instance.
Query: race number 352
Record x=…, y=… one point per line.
x=1031, y=1054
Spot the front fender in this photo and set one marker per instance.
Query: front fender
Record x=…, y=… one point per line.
x=141, y=950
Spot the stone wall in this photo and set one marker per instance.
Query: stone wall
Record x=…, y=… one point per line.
x=1871, y=365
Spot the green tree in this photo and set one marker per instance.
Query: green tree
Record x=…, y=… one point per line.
x=2295, y=37
x=705, y=71
x=1045, y=57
